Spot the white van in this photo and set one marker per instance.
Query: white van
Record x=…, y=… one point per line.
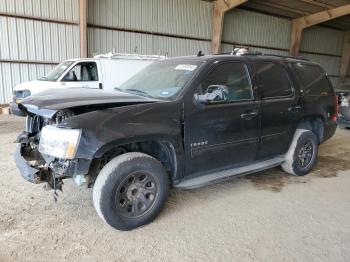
x=101, y=72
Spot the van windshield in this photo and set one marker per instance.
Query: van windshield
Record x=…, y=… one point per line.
x=161, y=79
x=54, y=74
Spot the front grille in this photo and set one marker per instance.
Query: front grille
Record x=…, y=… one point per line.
x=34, y=124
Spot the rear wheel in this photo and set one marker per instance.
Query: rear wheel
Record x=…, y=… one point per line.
x=302, y=154
x=130, y=190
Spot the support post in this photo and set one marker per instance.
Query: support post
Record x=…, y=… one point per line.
x=83, y=27
x=299, y=24
x=220, y=7
x=345, y=60
x=297, y=31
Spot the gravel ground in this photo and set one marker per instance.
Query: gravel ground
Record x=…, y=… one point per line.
x=268, y=216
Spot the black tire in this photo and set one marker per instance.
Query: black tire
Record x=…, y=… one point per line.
x=302, y=154
x=114, y=189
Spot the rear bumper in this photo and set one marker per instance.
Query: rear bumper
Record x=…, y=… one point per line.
x=27, y=172
x=15, y=110
x=329, y=131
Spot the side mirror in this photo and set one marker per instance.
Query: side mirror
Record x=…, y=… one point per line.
x=214, y=93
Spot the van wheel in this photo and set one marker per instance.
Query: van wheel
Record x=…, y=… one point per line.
x=130, y=190
x=302, y=154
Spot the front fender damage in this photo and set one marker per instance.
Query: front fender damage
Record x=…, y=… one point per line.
x=39, y=168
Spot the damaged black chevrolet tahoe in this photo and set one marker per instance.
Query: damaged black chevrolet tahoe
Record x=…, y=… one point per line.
x=183, y=122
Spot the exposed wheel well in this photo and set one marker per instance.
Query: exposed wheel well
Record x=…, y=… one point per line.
x=314, y=124
x=160, y=150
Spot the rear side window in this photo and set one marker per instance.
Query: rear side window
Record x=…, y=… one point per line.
x=272, y=80
x=313, y=79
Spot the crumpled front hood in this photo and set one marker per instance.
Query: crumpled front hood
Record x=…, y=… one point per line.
x=47, y=103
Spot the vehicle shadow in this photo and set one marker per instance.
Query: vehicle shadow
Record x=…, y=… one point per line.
x=273, y=180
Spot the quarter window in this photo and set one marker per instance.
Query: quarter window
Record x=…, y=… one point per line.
x=313, y=79
x=272, y=80
x=232, y=75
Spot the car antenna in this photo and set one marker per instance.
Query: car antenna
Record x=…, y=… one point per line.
x=200, y=53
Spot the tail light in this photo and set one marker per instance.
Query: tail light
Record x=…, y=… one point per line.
x=336, y=108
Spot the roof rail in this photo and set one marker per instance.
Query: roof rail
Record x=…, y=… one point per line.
x=253, y=53
x=237, y=51
x=130, y=56
x=244, y=52
x=281, y=56
x=286, y=56
x=200, y=53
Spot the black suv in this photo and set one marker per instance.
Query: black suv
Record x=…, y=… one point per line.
x=184, y=122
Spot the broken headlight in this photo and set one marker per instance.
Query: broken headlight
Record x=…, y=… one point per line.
x=59, y=142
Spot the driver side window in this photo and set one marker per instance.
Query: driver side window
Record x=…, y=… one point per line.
x=86, y=71
x=232, y=78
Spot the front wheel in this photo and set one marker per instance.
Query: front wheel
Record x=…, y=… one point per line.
x=302, y=154
x=130, y=190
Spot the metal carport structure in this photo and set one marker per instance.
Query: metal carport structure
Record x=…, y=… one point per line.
x=37, y=34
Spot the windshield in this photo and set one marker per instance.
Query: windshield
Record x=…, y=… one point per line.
x=161, y=79
x=54, y=74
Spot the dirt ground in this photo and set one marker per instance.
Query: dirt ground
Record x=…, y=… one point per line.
x=268, y=216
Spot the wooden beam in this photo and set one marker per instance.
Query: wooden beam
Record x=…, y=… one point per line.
x=324, y=16
x=220, y=7
x=297, y=31
x=83, y=27
x=316, y=3
x=233, y=3
x=299, y=24
x=217, y=24
x=345, y=60
x=282, y=7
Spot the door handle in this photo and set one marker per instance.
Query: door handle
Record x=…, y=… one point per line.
x=294, y=108
x=249, y=115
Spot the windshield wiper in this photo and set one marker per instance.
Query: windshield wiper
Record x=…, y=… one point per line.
x=140, y=92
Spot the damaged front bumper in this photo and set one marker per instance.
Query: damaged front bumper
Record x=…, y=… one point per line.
x=37, y=168
x=28, y=172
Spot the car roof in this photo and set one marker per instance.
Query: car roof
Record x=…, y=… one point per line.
x=223, y=57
